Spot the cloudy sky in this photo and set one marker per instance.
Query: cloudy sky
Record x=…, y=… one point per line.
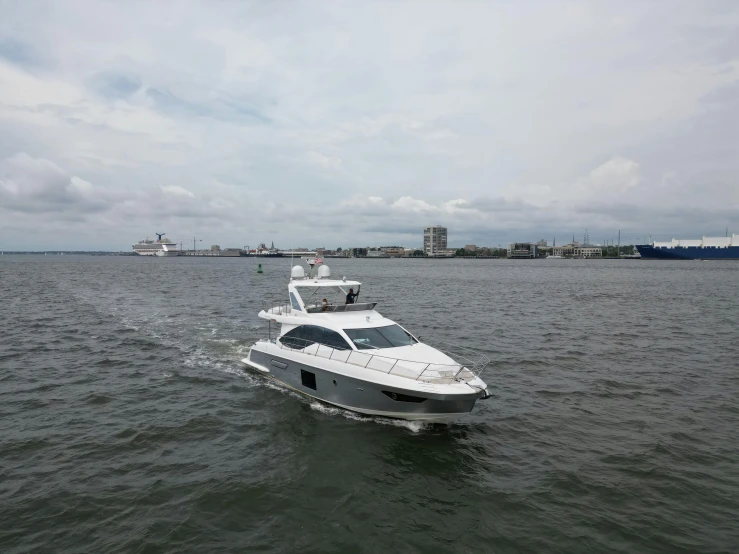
x=346, y=123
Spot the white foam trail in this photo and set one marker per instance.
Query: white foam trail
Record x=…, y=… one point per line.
x=413, y=426
x=247, y=376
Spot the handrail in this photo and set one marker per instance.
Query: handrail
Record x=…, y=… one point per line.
x=270, y=303
x=285, y=308
x=430, y=372
x=358, y=307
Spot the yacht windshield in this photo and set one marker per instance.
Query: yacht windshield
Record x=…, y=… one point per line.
x=380, y=337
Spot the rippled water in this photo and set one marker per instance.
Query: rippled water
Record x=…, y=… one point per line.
x=128, y=424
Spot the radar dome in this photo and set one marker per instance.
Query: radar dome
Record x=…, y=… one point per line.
x=324, y=272
x=297, y=272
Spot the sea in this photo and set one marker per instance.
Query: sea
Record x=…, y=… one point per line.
x=129, y=424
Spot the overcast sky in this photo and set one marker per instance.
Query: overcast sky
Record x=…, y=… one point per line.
x=358, y=123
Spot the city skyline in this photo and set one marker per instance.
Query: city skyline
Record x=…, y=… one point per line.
x=504, y=122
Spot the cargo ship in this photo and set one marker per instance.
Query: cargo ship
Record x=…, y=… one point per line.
x=707, y=248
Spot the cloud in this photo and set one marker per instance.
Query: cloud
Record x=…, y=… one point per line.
x=326, y=162
x=34, y=185
x=409, y=204
x=616, y=175
x=502, y=121
x=112, y=85
x=20, y=52
x=177, y=191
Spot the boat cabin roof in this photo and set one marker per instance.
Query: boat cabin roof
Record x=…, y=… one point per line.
x=315, y=282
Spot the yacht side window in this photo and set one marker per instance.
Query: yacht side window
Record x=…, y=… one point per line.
x=297, y=338
x=305, y=335
x=380, y=337
x=332, y=339
x=295, y=303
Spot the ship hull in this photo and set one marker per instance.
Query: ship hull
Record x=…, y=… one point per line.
x=360, y=395
x=649, y=252
x=160, y=253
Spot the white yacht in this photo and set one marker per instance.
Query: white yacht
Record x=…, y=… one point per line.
x=337, y=349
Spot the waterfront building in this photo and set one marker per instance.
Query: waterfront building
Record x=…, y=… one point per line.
x=578, y=250
x=565, y=251
x=393, y=251
x=434, y=240
x=588, y=251
x=470, y=247
x=523, y=250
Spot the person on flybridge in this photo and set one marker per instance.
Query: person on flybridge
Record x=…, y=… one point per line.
x=351, y=297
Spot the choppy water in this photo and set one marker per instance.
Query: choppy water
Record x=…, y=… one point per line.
x=127, y=423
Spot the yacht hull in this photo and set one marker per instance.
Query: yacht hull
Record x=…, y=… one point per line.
x=360, y=395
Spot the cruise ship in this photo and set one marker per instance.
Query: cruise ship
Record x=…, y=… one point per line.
x=159, y=247
x=707, y=248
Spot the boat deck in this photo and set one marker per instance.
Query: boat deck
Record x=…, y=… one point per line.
x=420, y=371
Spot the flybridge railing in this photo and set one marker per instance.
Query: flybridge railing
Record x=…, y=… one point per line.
x=274, y=305
x=277, y=307
x=420, y=371
x=358, y=307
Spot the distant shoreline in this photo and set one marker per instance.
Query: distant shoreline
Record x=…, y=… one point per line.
x=132, y=254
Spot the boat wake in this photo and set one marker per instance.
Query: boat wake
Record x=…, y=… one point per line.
x=207, y=344
x=413, y=426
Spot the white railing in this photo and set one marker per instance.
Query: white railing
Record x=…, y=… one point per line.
x=273, y=306
x=276, y=307
x=421, y=371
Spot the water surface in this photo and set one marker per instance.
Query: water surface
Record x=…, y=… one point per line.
x=128, y=424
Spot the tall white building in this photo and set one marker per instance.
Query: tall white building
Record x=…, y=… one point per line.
x=434, y=240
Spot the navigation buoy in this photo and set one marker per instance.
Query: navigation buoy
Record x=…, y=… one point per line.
x=259, y=270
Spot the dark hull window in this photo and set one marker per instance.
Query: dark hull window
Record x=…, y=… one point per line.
x=403, y=397
x=308, y=379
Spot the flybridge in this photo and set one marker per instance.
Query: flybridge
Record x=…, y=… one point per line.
x=310, y=295
x=308, y=282
x=298, y=278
